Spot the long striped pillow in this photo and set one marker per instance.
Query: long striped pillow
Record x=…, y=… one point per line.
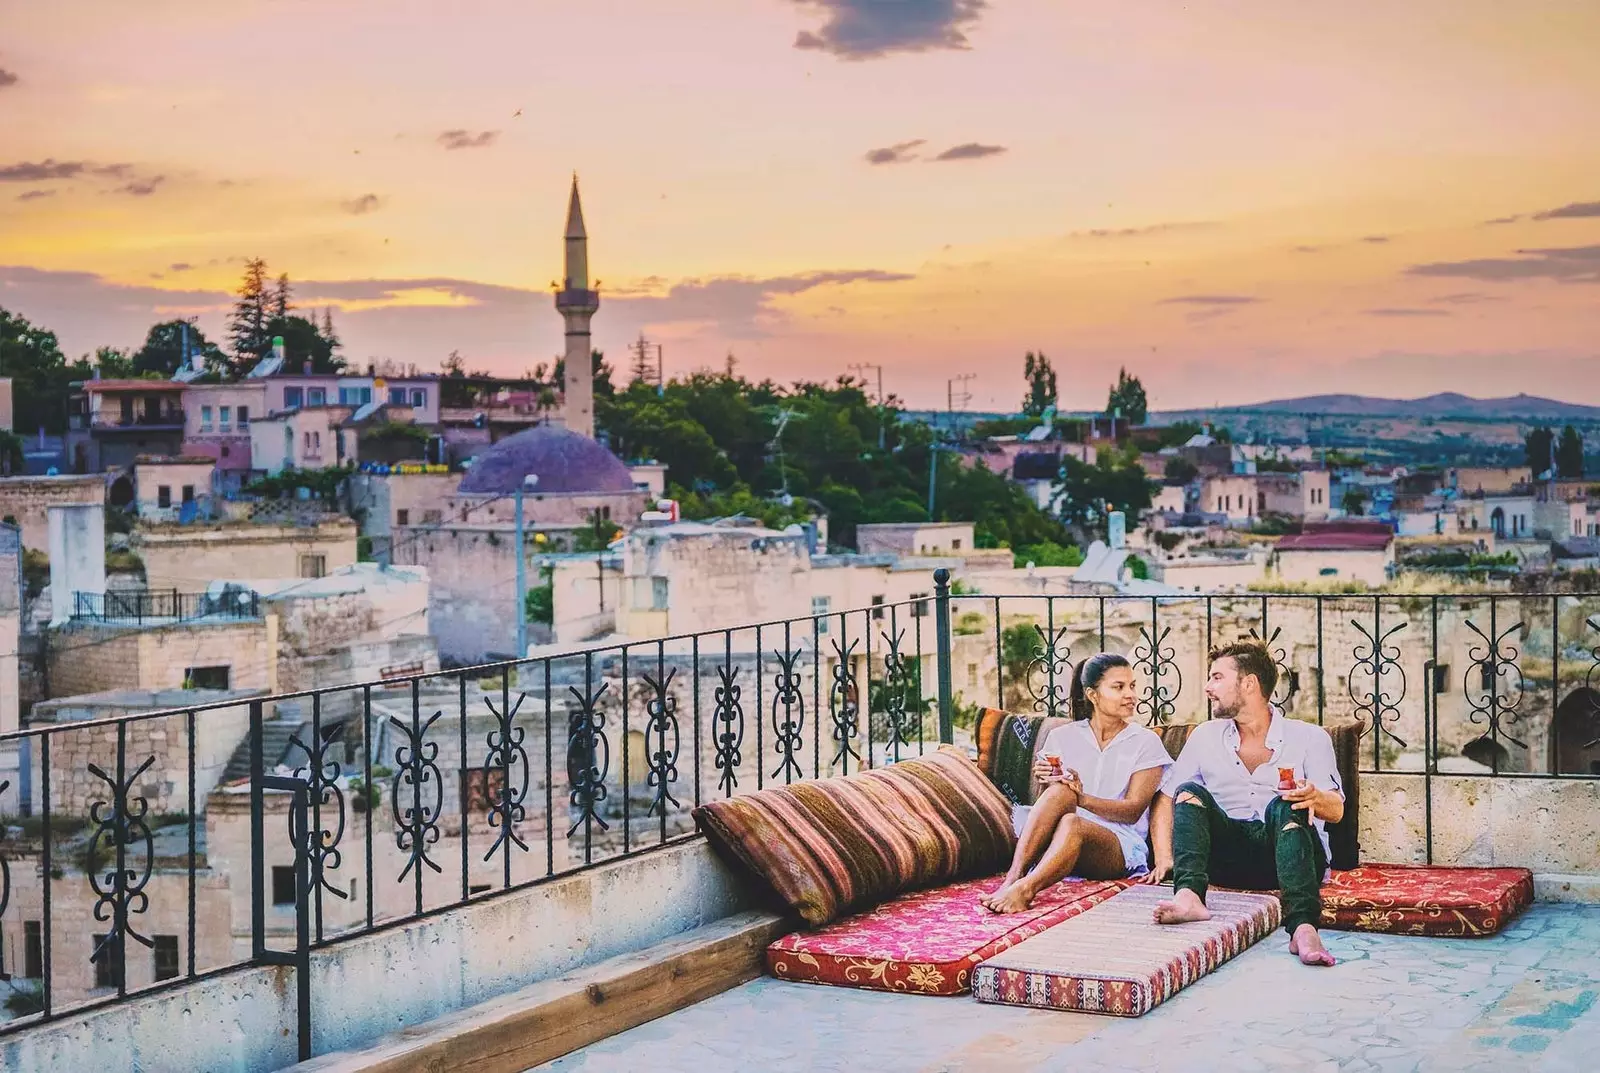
x=831, y=845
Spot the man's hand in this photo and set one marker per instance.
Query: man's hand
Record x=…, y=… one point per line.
x=1159, y=872
x=1043, y=772
x=1304, y=796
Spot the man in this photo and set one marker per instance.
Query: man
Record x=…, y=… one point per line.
x=1220, y=814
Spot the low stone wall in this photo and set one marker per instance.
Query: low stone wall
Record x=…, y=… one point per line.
x=1544, y=824
x=363, y=988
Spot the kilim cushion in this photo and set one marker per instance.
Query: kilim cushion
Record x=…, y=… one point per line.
x=928, y=942
x=1419, y=900
x=829, y=845
x=1113, y=959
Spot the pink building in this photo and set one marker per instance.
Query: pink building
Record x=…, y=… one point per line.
x=294, y=391
x=217, y=425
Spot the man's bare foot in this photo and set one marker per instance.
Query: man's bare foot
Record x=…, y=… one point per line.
x=1185, y=908
x=1306, y=944
x=1013, y=898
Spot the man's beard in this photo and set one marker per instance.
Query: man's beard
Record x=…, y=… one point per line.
x=1221, y=711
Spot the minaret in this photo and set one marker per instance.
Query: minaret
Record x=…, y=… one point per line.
x=577, y=302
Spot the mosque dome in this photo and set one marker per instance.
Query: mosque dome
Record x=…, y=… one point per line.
x=565, y=462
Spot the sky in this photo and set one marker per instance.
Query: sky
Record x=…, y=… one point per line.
x=1237, y=201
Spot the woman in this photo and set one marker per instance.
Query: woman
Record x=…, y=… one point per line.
x=1092, y=817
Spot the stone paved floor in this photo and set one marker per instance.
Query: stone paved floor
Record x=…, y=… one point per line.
x=1524, y=1001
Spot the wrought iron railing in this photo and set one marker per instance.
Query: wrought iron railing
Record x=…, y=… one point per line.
x=364, y=807
x=151, y=607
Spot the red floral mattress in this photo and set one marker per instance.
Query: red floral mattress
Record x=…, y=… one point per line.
x=1419, y=900
x=927, y=942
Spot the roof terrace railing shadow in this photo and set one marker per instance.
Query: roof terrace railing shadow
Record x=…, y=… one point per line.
x=421, y=793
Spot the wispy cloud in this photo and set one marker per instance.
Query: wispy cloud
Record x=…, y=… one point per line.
x=466, y=139
x=1572, y=264
x=970, y=151
x=141, y=187
x=1390, y=311
x=1140, y=232
x=1499, y=220
x=1375, y=239
x=1575, y=211
x=360, y=206
x=898, y=153
x=42, y=171
x=179, y=266
x=7, y=78
x=1307, y=249
x=868, y=29
x=35, y=195
x=1210, y=300
x=1465, y=298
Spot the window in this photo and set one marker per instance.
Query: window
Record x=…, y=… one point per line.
x=355, y=396
x=205, y=419
x=1441, y=677
x=308, y=441
x=207, y=677
x=658, y=594
x=108, y=963
x=972, y=675
x=283, y=884
x=316, y=440
x=225, y=418
x=402, y=517
x=164, y=496
x=433, y=517
x=397, y=396
x=313, y=566
x=919, y=605
x=188, y=493
x=650, y=594
x=605, y=513
x=127, y=411
x=877, y=607
x=316, y=396
x=32, y=950
x=293, y=398
x=819, y=609
x=244, y=418
x=166, y=957
x=419, y=397
x=1329, y=571
x=955, y=545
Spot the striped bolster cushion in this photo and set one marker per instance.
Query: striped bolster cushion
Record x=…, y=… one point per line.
x=831, y=845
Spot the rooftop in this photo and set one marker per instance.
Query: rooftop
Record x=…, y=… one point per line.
x=1522, y=1000
x=1347, y=535
x=565, y=462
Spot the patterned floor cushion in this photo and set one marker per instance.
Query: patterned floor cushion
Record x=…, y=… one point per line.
x=926, y=942
x=1420, y=900
x=1113, y=959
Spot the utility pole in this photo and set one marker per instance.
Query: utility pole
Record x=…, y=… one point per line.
x=863, y=367
x=641, y=360
x=529, y=482
x=950, y=394
x=661, y=375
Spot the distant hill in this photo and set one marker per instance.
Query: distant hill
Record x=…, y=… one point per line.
x=1447, y=404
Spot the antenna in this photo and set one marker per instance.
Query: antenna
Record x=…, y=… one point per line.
x=863, y=367
x=952, y=394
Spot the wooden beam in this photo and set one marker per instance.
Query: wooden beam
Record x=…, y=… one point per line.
x=554, y=1017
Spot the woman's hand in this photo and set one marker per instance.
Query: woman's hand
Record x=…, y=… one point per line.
x=1043, y=772
x=1159, y=872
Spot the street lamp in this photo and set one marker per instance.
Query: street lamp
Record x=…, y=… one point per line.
x=529, y=482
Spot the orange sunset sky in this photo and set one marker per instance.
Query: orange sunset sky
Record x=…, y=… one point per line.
x=1238, y=200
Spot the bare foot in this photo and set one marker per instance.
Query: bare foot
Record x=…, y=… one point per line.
x=988, y=900
x=1010, y=899
x=1185, y=908
x=1306, y=944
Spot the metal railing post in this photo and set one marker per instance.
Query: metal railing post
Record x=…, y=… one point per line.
x=941, y=612
x=258, y=849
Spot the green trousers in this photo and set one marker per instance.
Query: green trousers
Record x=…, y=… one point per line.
x=1282, y=853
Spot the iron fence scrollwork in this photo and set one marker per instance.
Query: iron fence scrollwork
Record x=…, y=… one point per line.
x=508, y=756
x=788, y=730
x=844, y=707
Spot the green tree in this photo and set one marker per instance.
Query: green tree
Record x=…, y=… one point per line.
x=1127, y=399
x=114, y=363
x=1086, y=494
x=1041, y=377
x=303, y=342
x=39, y=372
x=1180, y=470
x=1569, y=454
x=252, y=309
x=1354, y=502
x=281, y=305
x=12, y=458
x=163, y=351
x=1540, y=445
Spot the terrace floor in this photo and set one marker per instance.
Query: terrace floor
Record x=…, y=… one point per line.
x=1524, y=1000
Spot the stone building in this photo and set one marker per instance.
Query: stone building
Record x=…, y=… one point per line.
x=190, y=557
x=1326, y=553
x=112, y=422
x=27, y=502
x=165, y=488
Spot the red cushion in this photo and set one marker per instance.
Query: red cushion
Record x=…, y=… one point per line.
x=1421, y=900
x=928, y=942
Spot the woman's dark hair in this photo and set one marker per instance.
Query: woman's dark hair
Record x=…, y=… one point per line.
x=1088, y=675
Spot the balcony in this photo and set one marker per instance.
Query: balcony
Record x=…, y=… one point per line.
x=165, y=607
x=450, y=837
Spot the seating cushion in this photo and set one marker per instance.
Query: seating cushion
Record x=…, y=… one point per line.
x=1112, y=959
x=1421, y=900
x=829, y=845
x=928, y=942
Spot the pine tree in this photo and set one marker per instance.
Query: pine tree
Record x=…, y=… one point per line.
x=280, y=297
x=247, y=325
x=643, y=370
x=1569, y=454
x=327, y=330
x=1128, y=400
x=1041, y=377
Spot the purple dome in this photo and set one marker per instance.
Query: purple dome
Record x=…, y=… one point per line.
x=563, y=460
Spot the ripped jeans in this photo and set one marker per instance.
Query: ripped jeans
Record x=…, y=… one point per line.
x=1282, y=853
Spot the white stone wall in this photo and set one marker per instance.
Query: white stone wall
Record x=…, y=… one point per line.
x=190, y=557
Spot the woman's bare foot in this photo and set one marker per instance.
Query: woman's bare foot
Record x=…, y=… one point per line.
x=1013, y=898
x=1306, y=944
x=1185, y=908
